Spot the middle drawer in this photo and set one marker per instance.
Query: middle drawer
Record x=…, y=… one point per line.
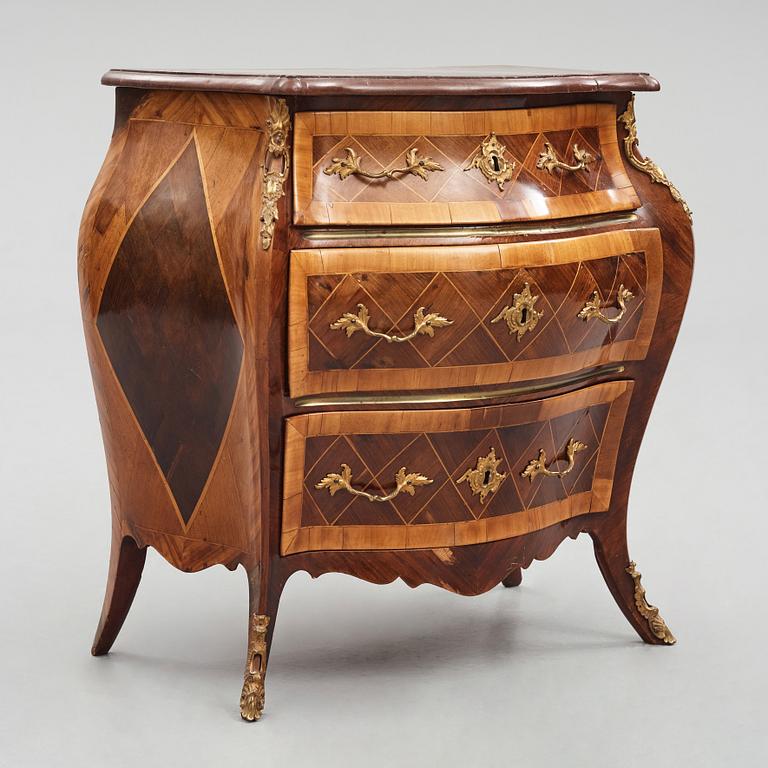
x=403, y=319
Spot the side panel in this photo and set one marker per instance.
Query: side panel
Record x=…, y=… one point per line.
x=167, y=242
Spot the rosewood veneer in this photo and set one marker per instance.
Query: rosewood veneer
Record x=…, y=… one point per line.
x=396, y=325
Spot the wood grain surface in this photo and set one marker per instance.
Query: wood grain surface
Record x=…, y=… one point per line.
x=456, y=195
x=468, y=285
x=178, y=199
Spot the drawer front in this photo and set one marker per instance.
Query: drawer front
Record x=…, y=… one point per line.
x=416, y=479
x=394, y=319
x=382, y=168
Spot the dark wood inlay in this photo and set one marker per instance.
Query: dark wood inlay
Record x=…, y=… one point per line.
x=169, y=331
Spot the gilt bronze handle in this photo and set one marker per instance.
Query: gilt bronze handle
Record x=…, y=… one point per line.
x=539, y=466
x=351, y=165
x=592, y=307
x=342, y=481
x=423, y=324
x=548, y=160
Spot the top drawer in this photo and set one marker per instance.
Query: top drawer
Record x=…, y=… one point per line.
x=391, y=168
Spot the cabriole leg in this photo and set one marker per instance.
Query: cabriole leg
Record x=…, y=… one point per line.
x=126, y=562
x=261, y=625
x=623, y=580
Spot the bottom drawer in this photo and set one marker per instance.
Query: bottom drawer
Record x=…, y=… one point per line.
x=442, y=478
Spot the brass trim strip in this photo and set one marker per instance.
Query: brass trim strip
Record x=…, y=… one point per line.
x=454, y=397
x=533, y=229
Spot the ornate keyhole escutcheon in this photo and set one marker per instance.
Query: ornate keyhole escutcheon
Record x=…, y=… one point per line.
x=520, y=316
x=485, y=477
x=491, y=162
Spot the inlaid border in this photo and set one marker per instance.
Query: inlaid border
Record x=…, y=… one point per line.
x=297, y=538
x=308, y=211
x=470, y=258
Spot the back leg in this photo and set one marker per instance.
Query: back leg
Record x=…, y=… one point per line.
x=514, y=578
x=126, y=562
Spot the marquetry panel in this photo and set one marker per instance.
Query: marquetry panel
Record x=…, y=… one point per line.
x=442, y=446
x=458, y=193
x=165, y=247
x=469, y=286
x=168, y=328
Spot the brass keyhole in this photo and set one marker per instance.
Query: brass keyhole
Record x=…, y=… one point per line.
x=523, y=315
x=495, y=163
x=487, y=477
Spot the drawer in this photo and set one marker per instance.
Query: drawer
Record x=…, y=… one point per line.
x=404, y=319
x=444, y=478
x=390, y=168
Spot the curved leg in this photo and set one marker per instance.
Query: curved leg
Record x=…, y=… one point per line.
x=513, y=578
x=261, y=627
x=623, y=580
x=126, y=562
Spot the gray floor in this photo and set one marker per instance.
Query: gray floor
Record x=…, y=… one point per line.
x=549, y=674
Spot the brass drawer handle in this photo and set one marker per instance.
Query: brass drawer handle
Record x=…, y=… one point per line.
x=351, y=166
x=539, y=466
x=592, y=307
x=548, y=160
x=422, y=324
x=405, y=482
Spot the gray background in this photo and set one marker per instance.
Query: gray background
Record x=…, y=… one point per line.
x=549, y=674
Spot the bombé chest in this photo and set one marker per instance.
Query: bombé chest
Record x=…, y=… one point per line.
x=394, y=325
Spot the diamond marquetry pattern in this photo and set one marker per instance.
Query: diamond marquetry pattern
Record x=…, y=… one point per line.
x=454, y=154
x=444, y=457
x=168, y=328
x=471, y=300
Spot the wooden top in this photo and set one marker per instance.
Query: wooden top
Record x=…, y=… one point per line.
x=440, y=82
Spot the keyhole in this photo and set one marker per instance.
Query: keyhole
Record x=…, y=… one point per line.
x=495, y=163
x=487, y=477
x=524, y=315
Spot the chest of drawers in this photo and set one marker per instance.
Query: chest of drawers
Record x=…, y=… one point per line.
x=394, y=325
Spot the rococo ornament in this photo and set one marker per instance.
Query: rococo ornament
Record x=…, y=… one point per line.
x=405, y=482
x=491, y=162
x=485, y=477
x=649, y=612
x=351, y=165
x=539, y=466
x=548, y=160
x=520, y=316
x=252, y=695
x=645, y=164
x=278, y=151
x=423, y=324
x=592, y=308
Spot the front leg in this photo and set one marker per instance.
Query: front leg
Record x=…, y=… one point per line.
x=261, y=625
x=623, y=580
x=252, y=695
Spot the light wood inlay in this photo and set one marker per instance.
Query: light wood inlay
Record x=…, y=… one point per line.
x=435, y=438
x=459, y=280
x=456, y=196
